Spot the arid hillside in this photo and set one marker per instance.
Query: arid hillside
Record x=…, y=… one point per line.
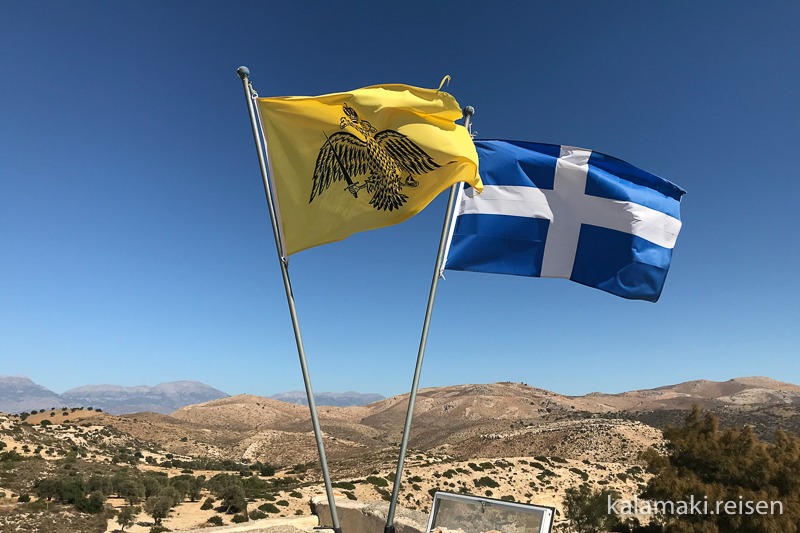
x=504, y=440
x=497, y=420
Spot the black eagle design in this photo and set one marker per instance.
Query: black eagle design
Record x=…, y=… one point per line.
x=388, y=160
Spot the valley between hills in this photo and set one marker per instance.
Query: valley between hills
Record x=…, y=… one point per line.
x=503, y=440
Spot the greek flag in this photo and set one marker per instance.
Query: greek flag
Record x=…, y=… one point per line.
x=564, y=212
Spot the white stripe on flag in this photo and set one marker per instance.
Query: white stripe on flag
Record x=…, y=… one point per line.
x=567, y=206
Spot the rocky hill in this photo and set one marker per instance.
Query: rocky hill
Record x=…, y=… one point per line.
x=494, y=420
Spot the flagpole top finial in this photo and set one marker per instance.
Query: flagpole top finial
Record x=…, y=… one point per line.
x=243, y=72
x=469, y=111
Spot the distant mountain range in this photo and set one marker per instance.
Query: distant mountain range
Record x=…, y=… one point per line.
x=338, y=399
x=19, y=394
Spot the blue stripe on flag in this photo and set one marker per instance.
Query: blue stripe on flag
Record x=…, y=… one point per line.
x=637, y=176
x=498, y=243
x=518, y=163
x=631, y=184
x=620, y=263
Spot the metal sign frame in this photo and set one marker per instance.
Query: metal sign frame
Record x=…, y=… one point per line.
x=546, y=513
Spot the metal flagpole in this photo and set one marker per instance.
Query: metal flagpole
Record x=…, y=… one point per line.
x=244, y=74
x=451, y=201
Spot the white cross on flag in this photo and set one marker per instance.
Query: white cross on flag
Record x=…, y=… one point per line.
x=565, y=212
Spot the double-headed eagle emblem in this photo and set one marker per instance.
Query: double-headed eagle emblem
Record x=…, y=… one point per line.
x=387, y=160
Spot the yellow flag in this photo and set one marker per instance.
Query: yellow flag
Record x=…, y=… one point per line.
x=348, y=162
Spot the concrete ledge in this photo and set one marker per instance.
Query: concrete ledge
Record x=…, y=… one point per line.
x=359, y=517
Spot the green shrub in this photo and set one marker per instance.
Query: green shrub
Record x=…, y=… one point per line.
x=239, y=518
x=269, y=508
x=257, y=515
x=730, y=464
x=208, y=504
x=587, y=510
x=215, y=520
x=583, y=475
x=344, y=485
x=486, y=481
x=377, y=481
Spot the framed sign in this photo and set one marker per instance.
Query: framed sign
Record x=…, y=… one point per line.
x=460, y=513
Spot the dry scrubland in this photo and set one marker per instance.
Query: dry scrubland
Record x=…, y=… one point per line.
x=504, y=440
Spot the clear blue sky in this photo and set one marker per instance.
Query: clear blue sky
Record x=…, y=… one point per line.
x=135, y=245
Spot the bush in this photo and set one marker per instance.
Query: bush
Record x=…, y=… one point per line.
x=157, y=529
x=265, y=470
x=93, y=504
x=486, y=481
x=269, y=508
x=731, y=465
x=24, y=498
x=344, y=485
x=583, y=475
x=257, y=515
x=208, y=504
x=587, y=510
x=239, y=518
x=10, y=457
x=215, y=520
x=127, y=516
x=377, y=481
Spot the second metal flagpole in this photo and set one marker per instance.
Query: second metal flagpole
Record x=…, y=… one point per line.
x=244, y=74
x=448, y=219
